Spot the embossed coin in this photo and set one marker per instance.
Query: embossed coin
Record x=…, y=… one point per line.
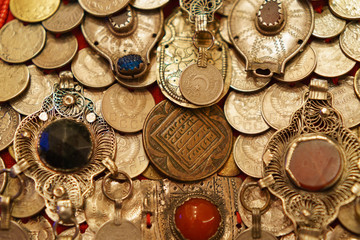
x=103, y=8
x=91, y=69
x=348, y=217
x=357, y=83
x=111, y=231
x=13, y=80
x=57, y=51
x=350, y=40
x=96, y=96
x=14, y=232
x=342, y=234
x=229, y=169
x=347, y=9
x=201, y=86
x=243, y=112
x=69, y=234
x=223, y=29
x=152, y=173
x=39, y=228
x=148, y=4
x=39, y=88
x=327, y=25
x=346, y=101
x=33, y=10
x=299, y=67
x=331, y=61
x=2, y=177
x=19, y=43
x=9, y=121
x=126, y=110
x=247, y=235
x=66, y=18
x=273, y=220
x=280, y=101
x=226, y=7
x=248, y=151
x=244, y=81
x=186, y=144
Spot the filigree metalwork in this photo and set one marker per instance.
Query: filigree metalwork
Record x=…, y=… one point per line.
x=203, y=7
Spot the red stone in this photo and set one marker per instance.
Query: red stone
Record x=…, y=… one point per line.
x=315, y=164
x=197, y=219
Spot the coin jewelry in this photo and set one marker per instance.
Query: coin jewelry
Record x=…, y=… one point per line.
x=313, y=190
x=346, y=9
x=349, y=215
x=14, y=80
x=33, y=10
x=103, y=8
x=9, y=121
x=327, y=25
x=148, y=4
x=349, y=40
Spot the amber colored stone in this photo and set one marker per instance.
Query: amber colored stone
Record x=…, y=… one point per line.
x=197, y=219
x=314, y=164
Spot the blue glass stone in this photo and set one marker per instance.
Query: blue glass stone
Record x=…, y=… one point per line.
x=129, y=62
x=65, y=145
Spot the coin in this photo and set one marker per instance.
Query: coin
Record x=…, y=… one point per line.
x=223, y=29
x=130, y=154
x=244, y=81
x=152, y=173
x=66, y=18
x=126, y=110
x=58, y=51
x=248, y=235
x=346, y=101
x=69, y=233
x=226, y=7
x=327, y=25
x=9, y=121
x=201, y=86
x=248, y=151
x=350, y=40
x=2, y=176
x=187, y=144
x=341, y=234
x=91, y=69
x=111, y=231
x=299, y=67
x=347, y=9
x=11, y=151
x=148, y=4
x=331, y=61
x=39, y=88
x=13, y=80
x=38, y=228
x=15, y=231
x=357, y=83
x=19, y=43
x=96, y=96
x=273, y=220
x=103, y=8
x=229, y=169
x=33, y=10
x=243, y=112
x=280, y=101
x=348, y=217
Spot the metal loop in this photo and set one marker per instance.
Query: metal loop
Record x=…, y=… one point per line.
x=244, y=204
x=77, y=229
x=115, y=177
x=195, y=37
x=21, y=180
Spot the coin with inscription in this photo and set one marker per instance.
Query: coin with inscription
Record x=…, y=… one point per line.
x=230, y=169
x=9, y=121
x=349, y=218
x=243, y=112
x=201, y=86
x=346, y=101
x=66, y=18
x=280, y=101
x=248, y=151
x=33, y=10
x=130, y=154
x=152, y=173
x=327, y=25
x=299, y=67
x=96, y=96
x=39, y=228
x=19, y=43
x=226, y=7
x=39, y=88
x=111, y=231
x=347, y=9
x=15, y=231
x=274, y=220
x=103, y=8
x=223, y=29
x=13, y=80
x=244, y=81
x=340, y=233
x=148, y=4
x=187, y=144
x=350, y=40
x=126, y=110
x=331, y=61
x=91, y=69
x=58, y=51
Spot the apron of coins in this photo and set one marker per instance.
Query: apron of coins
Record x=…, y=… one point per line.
x=180, y=119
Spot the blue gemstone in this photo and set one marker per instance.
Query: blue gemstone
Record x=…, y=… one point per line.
x=129, y=62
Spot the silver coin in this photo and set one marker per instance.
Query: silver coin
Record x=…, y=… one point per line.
x=125, y=231
x=38, y=228
x=14, y=232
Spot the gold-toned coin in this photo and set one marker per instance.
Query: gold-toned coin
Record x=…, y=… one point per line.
x=33, y=10
x=152, y=173
x=126, y=110
x=243, y=112
x=327, y=25
x=13, y=80
x=223, y=29
x=346, y=101
x=230, y=169
x=349, y=218
x=357, y=83
x=103, y=8
x=39, y=228
x=350, y=40
x=331, y=61
x=2, y=176
x=40, y=86
x=248, y=151
x=11, y=151
x=226, y=7
x=299, y=67
x=58, y=51
x=244, y=81
x=91, y=69
x=280, y=101
x=340, y=233
x=66, y=18
x=347, y=9
x=148, y=4
x=19, y=43
x=96, y=96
